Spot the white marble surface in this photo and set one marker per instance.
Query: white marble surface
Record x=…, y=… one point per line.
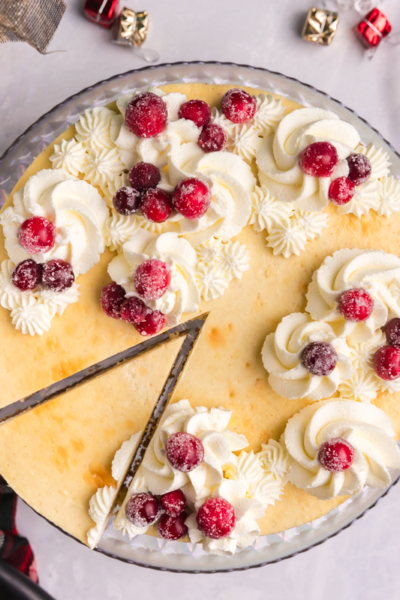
x=361, y=562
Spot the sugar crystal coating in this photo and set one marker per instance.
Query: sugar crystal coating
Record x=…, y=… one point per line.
x=173, y=503
x=133, y=310
x=111, y=299
x=392, y=331
x=142, y=510
x=184, y=451
x=27, y=275
x=213, y=138
x=191, y=198
x=151, y=324
x=156, y=205
x=144, y=176
x=146, y=115
x=336, y=455
x=319, y=159
x=359, y=168
x=57, y=275
x=126, y=201
x=172, y=528
x=319, y=358
x=152, y=279
x=341, y=191
x=238, y=106
x=356, y=305
x=216, y=518
x=387, y=362
x=197, y=111
x=37, y=235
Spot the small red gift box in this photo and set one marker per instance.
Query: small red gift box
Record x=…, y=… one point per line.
x=102, y=12
x=373, y=28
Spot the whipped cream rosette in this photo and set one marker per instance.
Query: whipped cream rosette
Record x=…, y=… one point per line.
x=364, y=426
x=182, y=295
x=78, y=212
x=282, y=356
x=374, y=271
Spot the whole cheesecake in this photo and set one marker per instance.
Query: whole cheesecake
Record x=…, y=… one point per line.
x=246, y=264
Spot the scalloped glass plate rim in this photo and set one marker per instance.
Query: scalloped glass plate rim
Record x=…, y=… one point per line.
x=150, y=551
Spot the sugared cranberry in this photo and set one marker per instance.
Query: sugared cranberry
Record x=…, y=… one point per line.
x=27, y=275
x=319, y=159
x=142, y=510
x=152, y=324
x=191, y=198
x=359, y=168
x=392, y=331
x=57, y=275
x=111, y=299
x=341, y=191
x=387, y=362
x=37, y=235
x=173, y=503
x=319, y=358
x=126, y=201
x=172, y=528
x=216, y=518
x=336, y=454
x=356, y=305
x=197, y=111
x=133, y=310
x=238, y=106
x=212, y=138
x=144, y=176
x=152, y=279
x=156, y=205
x=146, y=115
x=184, y=451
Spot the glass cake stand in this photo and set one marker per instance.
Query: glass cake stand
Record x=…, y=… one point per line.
x=149, y=551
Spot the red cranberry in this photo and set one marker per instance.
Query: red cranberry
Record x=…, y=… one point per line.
x=156, y=205
x=142, y=510
x=191, y=198
x=27, y=275
x=387, y=362
x=336, y=454
x=184, y=451
x=216, y=518
x=133, y=310
x=111, y=299
x=152, y=324
x=146, y=115
x=57, y=275
x=359, y=168
x=173, y=503
x=144, y=176
x=172, y=528
x=212, y=138
x=319, y=358
x=319, y=159
x=152, y=279
x=356, y=305
x=197, y=111
x=341, y=191
x=37, y=235
x=392, y=331
x=238, y=106
x=126, y=201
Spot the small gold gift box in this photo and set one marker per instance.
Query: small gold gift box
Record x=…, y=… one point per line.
x=132, y=27
x=320, y=26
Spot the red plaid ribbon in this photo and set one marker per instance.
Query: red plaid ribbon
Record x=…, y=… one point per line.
x=13, y=548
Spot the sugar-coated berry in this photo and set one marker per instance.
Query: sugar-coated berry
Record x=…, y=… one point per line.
x=152, y=324
x=319, y=159
x=387, y=362
x=216, y=518
x=126, y=201
x=191, y=198
x=57, y=275
x=392, y=331
x=146, y=115
x=336, y=454
x=213, y=138
x=37, y=235
x=111, y=299
x=238, y=106
x=152, y=279
x=172, y=528
x=173, y=503
x=341, y=191
x=144, y=176
x=319, y=358
x=356, y=305
x=133, y=310
x=27, y=275
x=359, y=168
x=184, y=451
x=156, y=205
x=142, y=510
x=197, y=111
